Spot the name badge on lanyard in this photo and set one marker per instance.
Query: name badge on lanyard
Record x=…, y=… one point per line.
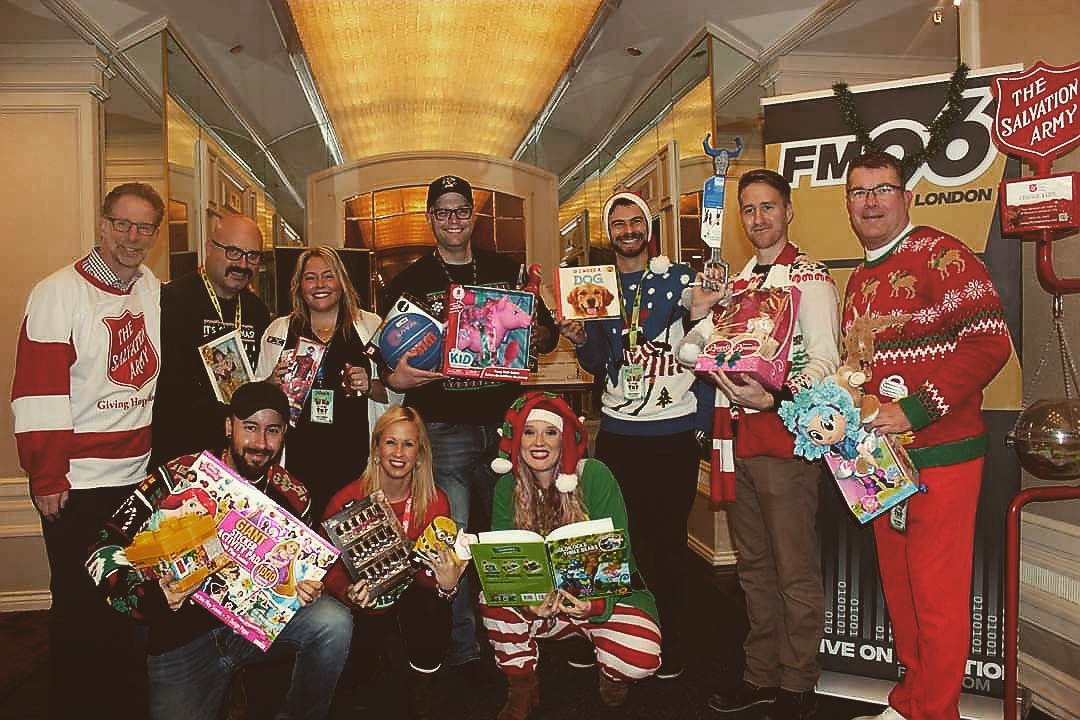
x=633, y=381
x=322, y=406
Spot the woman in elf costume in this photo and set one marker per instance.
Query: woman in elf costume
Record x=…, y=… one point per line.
x=546, y=484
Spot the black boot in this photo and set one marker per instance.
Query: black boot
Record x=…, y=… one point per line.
x=422, y=695
x=792, y=705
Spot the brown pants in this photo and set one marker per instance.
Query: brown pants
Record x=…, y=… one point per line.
x=774, y=524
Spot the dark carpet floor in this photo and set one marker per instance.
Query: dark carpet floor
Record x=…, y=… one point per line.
x=713, y=628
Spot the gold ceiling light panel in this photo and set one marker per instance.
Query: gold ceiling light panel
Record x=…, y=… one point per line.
x=464, y=75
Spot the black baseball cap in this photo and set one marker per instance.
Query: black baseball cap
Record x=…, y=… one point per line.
x=252, y=397
x=448, y=184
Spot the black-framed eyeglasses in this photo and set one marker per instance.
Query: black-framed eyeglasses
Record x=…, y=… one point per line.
x=254, y=257
x=884, y=190
x=121, y=225
x=461, y=213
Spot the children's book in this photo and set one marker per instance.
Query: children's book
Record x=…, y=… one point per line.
x=226, y=364
x=304, y=362
x=488, y=331
x=372, y=543
x=588, y=559
x=588, y=293
x=879, y=475
x=271, y=552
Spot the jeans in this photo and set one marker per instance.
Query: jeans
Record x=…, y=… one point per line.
x=461, y=457
x=191, y=681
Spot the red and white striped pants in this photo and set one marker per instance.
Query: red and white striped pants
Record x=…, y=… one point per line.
x=627, y=644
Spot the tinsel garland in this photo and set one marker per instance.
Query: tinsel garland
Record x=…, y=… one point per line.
x=939, y=128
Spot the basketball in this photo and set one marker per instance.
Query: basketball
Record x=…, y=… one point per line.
x=412, y=334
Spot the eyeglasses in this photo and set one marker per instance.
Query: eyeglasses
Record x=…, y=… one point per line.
x=121, y=225
x=461, y=213
x=881, y=192
x=254, y=257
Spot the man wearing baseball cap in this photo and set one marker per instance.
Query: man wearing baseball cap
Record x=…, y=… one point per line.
x=462, y=415
x=193, y=655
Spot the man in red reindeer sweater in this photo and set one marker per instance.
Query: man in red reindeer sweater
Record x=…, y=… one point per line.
x=933, y=368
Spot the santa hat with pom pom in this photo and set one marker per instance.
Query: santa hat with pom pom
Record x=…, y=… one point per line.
x=553, y=410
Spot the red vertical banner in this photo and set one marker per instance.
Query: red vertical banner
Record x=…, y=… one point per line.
x=808, y=142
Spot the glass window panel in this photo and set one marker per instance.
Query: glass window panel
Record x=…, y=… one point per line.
x=689, y=204
x=509, y=206
x=358, y=233
x=483, y=236
x=483, y=201
x=359, y=207
x=389, y=202
x=401, y=230
x=510, y=234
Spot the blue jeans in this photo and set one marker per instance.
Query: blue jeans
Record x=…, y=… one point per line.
x=191, y=681
x=460, y=459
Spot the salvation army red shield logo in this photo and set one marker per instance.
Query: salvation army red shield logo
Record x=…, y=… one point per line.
x=1036, y=114
x=133, y=359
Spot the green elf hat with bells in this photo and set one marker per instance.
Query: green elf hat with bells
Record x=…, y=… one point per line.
x=551, y=409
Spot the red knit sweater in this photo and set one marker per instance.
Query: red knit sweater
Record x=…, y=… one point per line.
x=951, y=348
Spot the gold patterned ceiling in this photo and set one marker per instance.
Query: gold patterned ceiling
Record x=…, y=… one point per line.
x=458, y=75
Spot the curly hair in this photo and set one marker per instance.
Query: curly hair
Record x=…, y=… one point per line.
x=543, y=510
x=823, y=399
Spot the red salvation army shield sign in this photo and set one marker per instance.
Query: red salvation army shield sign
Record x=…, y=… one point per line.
x=133, y=360
x=1037, y=110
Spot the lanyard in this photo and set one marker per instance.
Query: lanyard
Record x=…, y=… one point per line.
x=446, y=269
x=633, y=329
x=214, y=298
x=406, y=518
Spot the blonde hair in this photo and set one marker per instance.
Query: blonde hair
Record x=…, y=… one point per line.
x=543, y=512
x=422, y=482
x=348, y=307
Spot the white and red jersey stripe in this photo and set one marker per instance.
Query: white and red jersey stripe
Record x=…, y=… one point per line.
x=85, y=372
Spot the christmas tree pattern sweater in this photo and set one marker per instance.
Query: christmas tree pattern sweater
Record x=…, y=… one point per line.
x=950, y=342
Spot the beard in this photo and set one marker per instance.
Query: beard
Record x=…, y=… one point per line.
x=251, y=464
x=640, y=245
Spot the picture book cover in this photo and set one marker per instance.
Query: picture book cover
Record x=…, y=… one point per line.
x=879, y=476
x=304, y=362
x=410, y=329
x=752, y=334
x=588, y=559
x=270, y=550
x=588, y=293
x=226, y=364
x=488, y=331
x=372, y=543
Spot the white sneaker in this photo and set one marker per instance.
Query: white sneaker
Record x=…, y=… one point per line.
x=887, y=714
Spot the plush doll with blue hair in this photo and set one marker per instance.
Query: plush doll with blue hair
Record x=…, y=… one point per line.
x=823, y=418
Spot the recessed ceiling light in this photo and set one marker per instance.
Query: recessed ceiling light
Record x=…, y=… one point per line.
x=633, y=51
x=236, y=49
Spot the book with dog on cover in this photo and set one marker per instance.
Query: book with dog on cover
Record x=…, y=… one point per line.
x=588, y=559
x=588, y=293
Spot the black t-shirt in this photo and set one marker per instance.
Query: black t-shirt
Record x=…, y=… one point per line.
x=463, y=401
x=187, y=415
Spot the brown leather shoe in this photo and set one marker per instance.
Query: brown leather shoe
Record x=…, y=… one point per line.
x=522, y=697
x=613, y=692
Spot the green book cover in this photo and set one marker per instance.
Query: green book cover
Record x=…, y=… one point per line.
x=588, y=559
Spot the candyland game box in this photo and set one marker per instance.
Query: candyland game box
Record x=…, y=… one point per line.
x=752, y=335
x=270, y=550
x=488, y=331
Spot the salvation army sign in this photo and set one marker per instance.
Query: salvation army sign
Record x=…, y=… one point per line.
x=1037, y=110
